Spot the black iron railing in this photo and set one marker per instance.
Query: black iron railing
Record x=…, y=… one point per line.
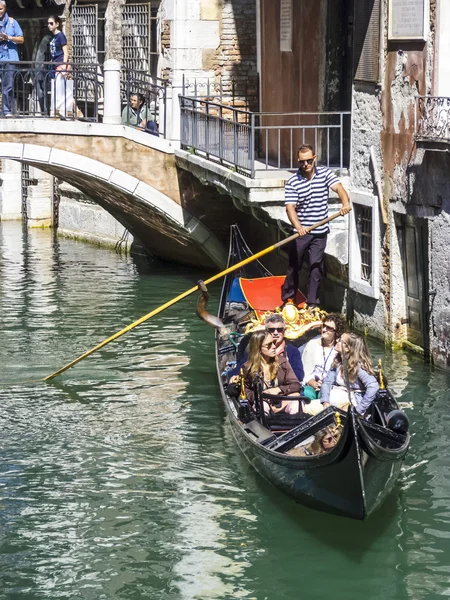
x=43, y=89
x=242, y=92
x=432, y=118
x=151, y=93
x=249, y=142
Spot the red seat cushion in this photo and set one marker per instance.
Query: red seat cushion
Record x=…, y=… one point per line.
x=264, y=293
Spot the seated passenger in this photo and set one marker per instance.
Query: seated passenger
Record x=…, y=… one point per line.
x=362, y=382
x=318, y=354
x=323, y=441
x=275, y=371
x=276, y=326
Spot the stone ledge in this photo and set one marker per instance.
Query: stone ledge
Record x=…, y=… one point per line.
x=79, y=128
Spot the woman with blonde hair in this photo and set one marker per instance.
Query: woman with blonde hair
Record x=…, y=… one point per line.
x=275, y=372
x=358, y=375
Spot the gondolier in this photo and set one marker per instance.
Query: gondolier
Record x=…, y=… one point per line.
x=306, y=199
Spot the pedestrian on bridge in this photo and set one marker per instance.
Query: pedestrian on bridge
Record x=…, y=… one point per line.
x=10, y=35
x=136, y=113
x=306, y=199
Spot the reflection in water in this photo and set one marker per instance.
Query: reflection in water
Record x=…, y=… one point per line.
x=121, y=478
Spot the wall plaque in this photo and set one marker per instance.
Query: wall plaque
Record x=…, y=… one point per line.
x=408, y=19
x=286, y=17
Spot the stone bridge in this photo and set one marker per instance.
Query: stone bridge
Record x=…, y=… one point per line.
x=129, y=173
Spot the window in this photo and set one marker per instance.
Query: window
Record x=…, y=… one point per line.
x=140, y=38
x=364, y=245
x=363, y=218
x=366, y=46
x=85, y=33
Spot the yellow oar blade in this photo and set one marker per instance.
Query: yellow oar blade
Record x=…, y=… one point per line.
x=185, y=295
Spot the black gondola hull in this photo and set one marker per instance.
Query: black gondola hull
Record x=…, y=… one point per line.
x=351, y=480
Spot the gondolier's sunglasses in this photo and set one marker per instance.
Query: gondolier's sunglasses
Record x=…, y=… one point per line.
x=308, y=161
x=273, y=329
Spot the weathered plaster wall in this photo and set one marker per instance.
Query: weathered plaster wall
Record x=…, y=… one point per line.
x=429, y=197
x=383, y=117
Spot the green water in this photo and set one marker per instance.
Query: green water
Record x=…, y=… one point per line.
x=121, y=479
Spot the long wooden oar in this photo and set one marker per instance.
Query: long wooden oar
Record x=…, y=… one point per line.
x=185, y=294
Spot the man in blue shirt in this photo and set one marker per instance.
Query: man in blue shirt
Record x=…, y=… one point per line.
x=306, y=199
x=10, y=35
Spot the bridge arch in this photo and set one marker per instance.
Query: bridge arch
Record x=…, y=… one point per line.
x=161, y=224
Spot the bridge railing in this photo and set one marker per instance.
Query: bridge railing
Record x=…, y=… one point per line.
x=253, y=141
x=42, y=89
x=152, y=97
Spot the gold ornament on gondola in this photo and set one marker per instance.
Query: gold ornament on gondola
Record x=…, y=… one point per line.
x=298, y=320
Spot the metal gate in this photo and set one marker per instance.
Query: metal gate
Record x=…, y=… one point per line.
x=85, y=33
x=26, y=182
x=136, y=37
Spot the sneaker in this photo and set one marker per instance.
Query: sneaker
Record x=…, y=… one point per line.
x=8, y=115
x=287, y=302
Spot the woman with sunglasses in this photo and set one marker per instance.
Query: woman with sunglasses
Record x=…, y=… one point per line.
x=319, y=353
x=58, y=45
x=361, y=377
x=275, y=372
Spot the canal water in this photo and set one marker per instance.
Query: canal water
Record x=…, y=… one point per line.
x=121, y=479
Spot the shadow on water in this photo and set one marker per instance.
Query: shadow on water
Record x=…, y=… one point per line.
x=352, y=537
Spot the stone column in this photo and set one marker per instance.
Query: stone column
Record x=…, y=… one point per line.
x=194, y=36
x=113, y=30
x=11, y=191
x=39, y=201
x=111, y=107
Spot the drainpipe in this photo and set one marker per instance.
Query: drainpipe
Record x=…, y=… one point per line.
x=111, y=107
x=377, y=177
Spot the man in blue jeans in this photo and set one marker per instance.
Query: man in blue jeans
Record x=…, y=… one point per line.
x=10, y=35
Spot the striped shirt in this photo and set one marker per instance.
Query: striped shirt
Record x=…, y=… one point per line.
x=310, y=197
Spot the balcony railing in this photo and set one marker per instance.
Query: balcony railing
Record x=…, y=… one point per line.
x=249, y=142
x=39, y=89
x=432, y=118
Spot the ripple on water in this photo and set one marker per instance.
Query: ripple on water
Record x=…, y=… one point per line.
x=121, y=478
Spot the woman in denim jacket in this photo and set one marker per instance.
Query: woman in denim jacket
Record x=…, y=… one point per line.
x=362, y=381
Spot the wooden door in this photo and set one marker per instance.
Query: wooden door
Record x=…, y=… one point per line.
x=414, y=235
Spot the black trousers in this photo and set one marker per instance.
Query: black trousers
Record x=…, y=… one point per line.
x=314, y=246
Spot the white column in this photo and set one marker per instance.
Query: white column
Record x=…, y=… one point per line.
x=39, y=201
x=11, y=191
x=111, y=107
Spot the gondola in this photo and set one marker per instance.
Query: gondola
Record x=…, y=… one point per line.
x=350, y=479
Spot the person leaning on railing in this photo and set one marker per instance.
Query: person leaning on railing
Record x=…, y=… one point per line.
x=10, y=35
x=138, y=114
